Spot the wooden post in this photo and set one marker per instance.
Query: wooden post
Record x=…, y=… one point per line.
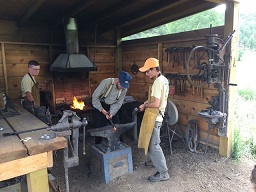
x=160, y=55
x=38, y=181
x=89, y=74
x=231, y=23
x=4, y=70
x=118, y=52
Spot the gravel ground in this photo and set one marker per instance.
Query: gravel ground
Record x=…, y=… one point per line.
x=190, y=172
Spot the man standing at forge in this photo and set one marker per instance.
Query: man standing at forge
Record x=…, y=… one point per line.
x=31, y=95
x=153, y=118
x=108, y=98
x=29, y=86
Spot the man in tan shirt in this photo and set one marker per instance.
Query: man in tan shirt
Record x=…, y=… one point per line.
x=158, y=101
x=30, y=94
x=29, y=87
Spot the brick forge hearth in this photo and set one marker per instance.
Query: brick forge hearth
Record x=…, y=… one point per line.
x=70, y=85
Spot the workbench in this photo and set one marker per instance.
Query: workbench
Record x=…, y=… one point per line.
x=27, y=154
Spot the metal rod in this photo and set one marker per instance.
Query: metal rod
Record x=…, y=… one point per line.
x=84, y=140
x=25, y=131
x=111, y=122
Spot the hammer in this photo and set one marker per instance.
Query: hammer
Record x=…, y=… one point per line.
x=112, y=123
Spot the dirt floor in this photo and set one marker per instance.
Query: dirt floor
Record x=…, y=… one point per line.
x=190, y=172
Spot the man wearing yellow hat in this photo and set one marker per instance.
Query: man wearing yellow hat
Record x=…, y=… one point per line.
x=149, y=138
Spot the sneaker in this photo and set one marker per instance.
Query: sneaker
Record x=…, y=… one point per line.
x=159, y=177
x=149, y=164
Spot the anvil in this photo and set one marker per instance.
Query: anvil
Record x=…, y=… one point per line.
x=111, y=134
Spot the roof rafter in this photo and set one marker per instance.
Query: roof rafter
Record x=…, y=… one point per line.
x=165, y=18
x=32, y=7
x=146, y=12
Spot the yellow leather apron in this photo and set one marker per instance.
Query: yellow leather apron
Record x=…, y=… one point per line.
x=35, y=93
x=146, y=128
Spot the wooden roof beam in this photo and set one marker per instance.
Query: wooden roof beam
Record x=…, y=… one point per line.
x=154, y=21
x=32, y=7
x=222, y=1
x=146, y=12
x=79, y=8
x=115, y=10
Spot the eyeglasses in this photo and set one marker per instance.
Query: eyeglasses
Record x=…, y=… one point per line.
x=36, y=69
x=148, y=70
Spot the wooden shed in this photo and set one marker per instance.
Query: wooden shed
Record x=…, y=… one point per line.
x=34, y=29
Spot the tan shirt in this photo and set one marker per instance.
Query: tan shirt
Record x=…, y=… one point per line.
x=26, y=85
x=115, y=97
x=160, y=90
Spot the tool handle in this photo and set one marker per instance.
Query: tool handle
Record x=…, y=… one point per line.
x=111, y=122
x=20, y=132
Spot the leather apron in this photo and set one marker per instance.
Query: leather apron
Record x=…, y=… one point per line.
x=147, y=126
x=35, y=93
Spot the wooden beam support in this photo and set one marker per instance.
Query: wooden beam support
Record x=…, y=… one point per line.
x=231, y=23
x=147, y=12
x=118, y=52
x=164, y=16
x=114, y=11
x=160, y=55
x=4, y=70
x=29, y=11
x=222, y=1
x=38, y=181
x=79, y=7
x=23, y=166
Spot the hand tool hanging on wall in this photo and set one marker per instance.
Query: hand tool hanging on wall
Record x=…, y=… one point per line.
x=178, y=84
x=178, y=55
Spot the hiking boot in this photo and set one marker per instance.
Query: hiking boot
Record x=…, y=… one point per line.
x=149, y=164
x=159, y=177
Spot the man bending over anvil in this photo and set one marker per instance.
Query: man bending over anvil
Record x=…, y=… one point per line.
x=108, y=98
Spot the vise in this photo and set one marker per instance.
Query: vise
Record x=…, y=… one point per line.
x=111, y=134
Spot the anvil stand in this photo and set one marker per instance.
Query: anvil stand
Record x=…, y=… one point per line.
x=111, y=158
x=68, y=127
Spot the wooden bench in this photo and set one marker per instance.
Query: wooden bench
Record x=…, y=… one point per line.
x=27, y=154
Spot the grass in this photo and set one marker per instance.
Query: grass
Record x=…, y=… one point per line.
x=244, y=142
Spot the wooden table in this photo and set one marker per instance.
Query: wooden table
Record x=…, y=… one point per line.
x=27, y=154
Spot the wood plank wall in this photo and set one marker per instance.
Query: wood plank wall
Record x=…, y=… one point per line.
x=40, y=43
x=137, y=51
x=133, y=52
x=2, y=86
x=104, y=58
x=16, y=57
x=82, y=84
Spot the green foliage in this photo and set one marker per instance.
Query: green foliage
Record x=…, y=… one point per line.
x=202, y=20
x=198, y=21
x=237, y=148
x=247, y=94
x=240, y=54
x=247, y=36
x=244, y=141
x=243, y=147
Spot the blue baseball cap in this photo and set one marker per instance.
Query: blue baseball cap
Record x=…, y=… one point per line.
x=124, y=79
